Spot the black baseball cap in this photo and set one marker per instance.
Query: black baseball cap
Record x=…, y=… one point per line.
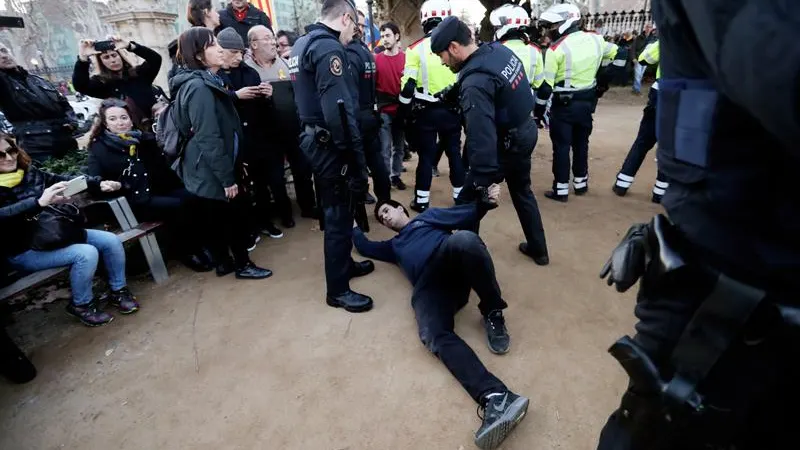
x=444, y=34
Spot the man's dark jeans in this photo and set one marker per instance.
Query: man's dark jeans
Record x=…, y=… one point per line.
x=461, y=263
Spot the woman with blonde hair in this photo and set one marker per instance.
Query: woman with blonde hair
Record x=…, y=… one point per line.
x=115, y=73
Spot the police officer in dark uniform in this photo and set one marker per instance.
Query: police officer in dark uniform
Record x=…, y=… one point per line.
x=714, y=363
x=496, y=102
x=321, y=80
x=363, y=71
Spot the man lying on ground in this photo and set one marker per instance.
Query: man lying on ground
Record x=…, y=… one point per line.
x=443, y=265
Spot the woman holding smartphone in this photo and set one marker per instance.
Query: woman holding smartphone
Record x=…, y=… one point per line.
x=205, y=112
x=24, y=192
x=115, y=73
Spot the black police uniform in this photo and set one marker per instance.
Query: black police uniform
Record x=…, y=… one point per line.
x=319, y=72
x=496, y=103
x=728, y=134
x=363, y=71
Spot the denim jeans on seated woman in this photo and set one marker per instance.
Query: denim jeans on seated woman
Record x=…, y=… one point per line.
x=82, y=259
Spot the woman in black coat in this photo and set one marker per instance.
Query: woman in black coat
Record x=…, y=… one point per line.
x=120, y=152
x=116, y=76
x=206, y=113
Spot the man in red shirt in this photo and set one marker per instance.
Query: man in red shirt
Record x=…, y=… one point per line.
x=389, y=69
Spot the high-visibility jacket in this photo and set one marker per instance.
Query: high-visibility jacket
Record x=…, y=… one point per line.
x=652, y=55
x=572, y=62
x=531, y=58
x=427, y=70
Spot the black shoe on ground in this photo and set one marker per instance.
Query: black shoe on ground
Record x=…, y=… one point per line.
x=582, y=191
x=272, y=231
x=398, y=184
x=419, y=207
x=225, y=267
x=89, y=314
x=501, y=413
x=359, y=269
x=252, y=272
x=553, y=196
x=656, y=199
x=540, y=258
x=351, y=302
x=197, y=263
x=496, y=332
x=620, y=191
x=124, y=301
x=254, y=240
x=14, y=365
x=370, y=199
x=288, y=222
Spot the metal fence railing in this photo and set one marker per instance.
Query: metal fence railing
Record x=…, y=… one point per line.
x=618, y=22
x=54, y=73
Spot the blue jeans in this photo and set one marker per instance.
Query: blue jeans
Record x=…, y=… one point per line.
x=638, y=74
x=392, y=144
x=82, y=259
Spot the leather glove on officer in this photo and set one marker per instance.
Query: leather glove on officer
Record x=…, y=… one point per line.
x=538, y=113
x=483, y=184
x=359, y=186
x=629, y=260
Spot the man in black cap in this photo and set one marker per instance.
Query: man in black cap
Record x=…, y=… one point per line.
x=320, y=75
x=496, y=103
x=363, y=72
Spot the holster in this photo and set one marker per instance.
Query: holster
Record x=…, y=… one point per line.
x=668, y=397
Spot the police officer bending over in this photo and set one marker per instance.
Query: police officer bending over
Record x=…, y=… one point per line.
x=714, y=364
x=444, y=265
x=363, y=72
x=319, y=73
x=571, y=67
x=496, y=103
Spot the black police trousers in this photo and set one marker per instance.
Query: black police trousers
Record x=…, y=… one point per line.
x=570, y=127
x=432, y=122
x=370, y=127
x=461, y=263
x=751, y=394
x=515, y=162
x=645, y=141
x=338, y=217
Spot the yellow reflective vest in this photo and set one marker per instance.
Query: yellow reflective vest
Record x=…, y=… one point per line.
x=531, y=58
x=427, y=70
x=652, y=56
x=572, y=62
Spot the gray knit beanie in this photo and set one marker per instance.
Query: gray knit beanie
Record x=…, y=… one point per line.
x=229, y=39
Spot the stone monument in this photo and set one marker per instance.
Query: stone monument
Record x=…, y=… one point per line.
x=148, y=22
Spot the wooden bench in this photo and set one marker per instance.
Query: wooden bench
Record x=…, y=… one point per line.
x=130, y=229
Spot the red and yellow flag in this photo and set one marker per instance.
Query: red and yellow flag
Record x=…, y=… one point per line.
x=266, y=6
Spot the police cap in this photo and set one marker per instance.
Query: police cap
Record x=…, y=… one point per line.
x=444, y=34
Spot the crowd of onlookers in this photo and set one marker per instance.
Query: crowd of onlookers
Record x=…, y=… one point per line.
x=232, y=104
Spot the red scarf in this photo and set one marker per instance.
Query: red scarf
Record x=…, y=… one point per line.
x=240, y=15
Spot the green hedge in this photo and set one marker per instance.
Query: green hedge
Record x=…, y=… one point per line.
x=72, y=163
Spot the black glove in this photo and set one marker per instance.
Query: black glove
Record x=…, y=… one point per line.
x=449, y=95
x=629, y=260
x=539, y=112
x=483, y=200
x=358, y=186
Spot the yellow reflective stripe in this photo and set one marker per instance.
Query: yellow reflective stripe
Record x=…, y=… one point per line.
x=533, y=66
x=423, y=65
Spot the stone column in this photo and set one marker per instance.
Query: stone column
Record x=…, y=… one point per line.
x=149, y=23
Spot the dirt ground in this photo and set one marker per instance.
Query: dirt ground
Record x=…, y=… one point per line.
x=213, y=363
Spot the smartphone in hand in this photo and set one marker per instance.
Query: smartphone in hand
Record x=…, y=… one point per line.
x=75, y=186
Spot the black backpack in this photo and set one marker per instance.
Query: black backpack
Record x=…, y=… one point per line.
x=169, y=134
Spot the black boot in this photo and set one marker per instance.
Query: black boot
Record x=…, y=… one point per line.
x=197, y=263
x=351, y=302
x=398, y=184
x=359, y=269
x=539, y=257
x=225, y=267
x=419, y=207
x=620, y=191
x=501, y=413
x=553, y=196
